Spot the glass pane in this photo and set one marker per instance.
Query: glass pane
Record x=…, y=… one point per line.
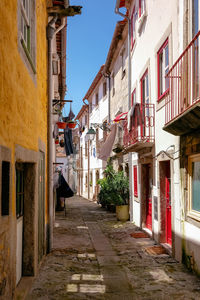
x=166, y=56
x=196, y=186
x=195, y=17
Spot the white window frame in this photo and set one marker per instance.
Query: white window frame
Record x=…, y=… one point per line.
x=163, y=68
x=141, y=14
x=27, y=33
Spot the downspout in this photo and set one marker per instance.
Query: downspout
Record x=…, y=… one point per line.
x=51, y=31
x=129, y=101
x=107, y=75
x=88, y=150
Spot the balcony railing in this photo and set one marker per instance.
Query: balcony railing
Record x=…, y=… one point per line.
x=184, y=82
x=142, y=128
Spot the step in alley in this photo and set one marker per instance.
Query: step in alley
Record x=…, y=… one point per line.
x=97, y=257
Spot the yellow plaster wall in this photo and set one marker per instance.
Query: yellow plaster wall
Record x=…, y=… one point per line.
x=23, y=103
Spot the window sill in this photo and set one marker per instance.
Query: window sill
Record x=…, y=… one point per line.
x=141, y=20
x=194, y=215
x=163, y=95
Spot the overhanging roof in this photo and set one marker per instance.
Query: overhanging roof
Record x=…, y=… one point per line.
x=94, y=83
x=83, y=109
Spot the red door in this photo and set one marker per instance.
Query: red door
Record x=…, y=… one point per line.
x=168, y=205
x=148, y=199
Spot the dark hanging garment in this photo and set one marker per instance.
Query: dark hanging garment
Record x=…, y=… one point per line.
x=69, y=149
x=64, y=190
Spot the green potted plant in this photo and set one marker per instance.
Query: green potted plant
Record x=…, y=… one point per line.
x=114, y=192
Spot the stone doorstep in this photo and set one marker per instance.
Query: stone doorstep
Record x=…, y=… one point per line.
x=23, y=287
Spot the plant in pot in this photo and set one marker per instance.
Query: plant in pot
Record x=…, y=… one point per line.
x=71, y=124
x=120, y=196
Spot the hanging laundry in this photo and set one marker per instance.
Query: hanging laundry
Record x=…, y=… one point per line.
x=69, y=149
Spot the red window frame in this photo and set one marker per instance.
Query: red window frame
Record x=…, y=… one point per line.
x=133, y=29
x=135, y=181
x=160, y=51
x=140, y=8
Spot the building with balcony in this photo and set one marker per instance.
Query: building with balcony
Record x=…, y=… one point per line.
x=182, y=114
x=154, y=168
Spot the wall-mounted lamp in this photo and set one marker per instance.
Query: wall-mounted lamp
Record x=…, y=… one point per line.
x=91, y=134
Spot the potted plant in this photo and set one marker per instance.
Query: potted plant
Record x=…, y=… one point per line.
x=114, y=192
x=61, y=125
x=121, y=196
x=71, y=124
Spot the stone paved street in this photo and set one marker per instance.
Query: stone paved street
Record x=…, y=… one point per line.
x=95, y=257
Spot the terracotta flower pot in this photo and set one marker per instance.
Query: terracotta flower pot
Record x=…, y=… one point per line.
x=61, y=125
x=71, y=125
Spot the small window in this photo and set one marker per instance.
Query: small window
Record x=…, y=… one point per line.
x=194, y=186
x=113, y=83
x=5, y=188
x=133, y=31
x=133, y=97
x=145, y=88
x=27, y=30
x=19, y=191
x=97, y=99
x=135, y=181
x=86, y=149
x=85, y=119
x=141, y=8
x=123, y=63
x=104, y=89
x=163, y=68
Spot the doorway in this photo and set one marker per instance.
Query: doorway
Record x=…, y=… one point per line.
x=165, y=202
x=25, y=214
x=146, y=193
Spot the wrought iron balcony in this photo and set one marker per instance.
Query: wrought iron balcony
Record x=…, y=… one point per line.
x=141, y=132
x=182, y=105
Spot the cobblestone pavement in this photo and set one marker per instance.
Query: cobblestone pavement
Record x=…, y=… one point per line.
x=95, y=257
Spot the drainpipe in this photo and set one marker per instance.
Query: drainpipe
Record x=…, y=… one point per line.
x=51, y=31
x=88, y=150
x=129, y=100
x=107, y=75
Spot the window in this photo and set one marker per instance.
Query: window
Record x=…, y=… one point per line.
x=133, y=32
x=113, y=83
x=145, y=88
x=19, y=191
x=135, y=181
x=97, y=99
x=123, y=63
x=141, y=7
x=86, y=149
x=194, y=186
x=5, y=188
x=195, y=17
x=85, y=119
x=163, y=68
x=104, y=89
x=27, y=30
x=90, y=107
x=133, y=97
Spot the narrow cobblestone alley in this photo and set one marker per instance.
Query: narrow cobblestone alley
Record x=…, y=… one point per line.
x=95, y=257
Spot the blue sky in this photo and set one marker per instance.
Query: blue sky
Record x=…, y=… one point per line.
x=88, y=40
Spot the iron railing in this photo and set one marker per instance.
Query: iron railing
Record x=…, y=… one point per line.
x=142, y=127
x=184, y=82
